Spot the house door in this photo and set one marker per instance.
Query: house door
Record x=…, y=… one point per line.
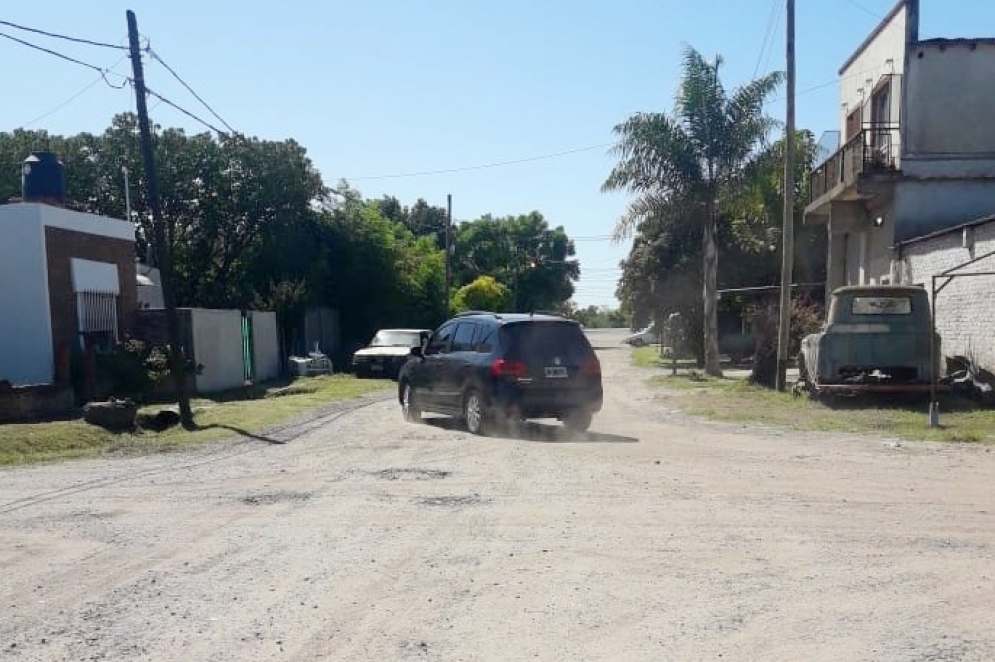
x=248, y=369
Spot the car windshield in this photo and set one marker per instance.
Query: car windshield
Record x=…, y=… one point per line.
x=542, y=341
x=393, y=338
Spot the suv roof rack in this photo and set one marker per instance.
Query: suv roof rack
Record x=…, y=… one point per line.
x=476, y=312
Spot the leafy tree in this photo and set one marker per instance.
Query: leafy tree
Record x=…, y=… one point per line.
x=534, y=261
x=688, y=162
x=484, y=293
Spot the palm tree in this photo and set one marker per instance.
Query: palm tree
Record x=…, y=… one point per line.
x=689, y=161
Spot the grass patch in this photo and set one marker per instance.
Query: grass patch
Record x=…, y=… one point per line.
x=737, y=401
x=252, y=410
x=649, y=357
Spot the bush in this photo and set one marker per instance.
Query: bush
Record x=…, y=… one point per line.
x=134, y=369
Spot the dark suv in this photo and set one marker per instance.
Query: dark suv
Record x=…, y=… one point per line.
x=490, y=369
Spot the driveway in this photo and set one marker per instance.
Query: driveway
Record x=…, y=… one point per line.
x=654, y=537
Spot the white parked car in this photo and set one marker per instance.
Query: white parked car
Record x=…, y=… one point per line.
x=647, y=336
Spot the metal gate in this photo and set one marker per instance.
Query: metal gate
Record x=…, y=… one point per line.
x=248, y=366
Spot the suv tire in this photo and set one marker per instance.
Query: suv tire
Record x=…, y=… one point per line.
x=409, y=408
x=474, y=412
x=577, y=420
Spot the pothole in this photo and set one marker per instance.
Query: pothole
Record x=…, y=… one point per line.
x=411, y=474
x=451, y=501
x=267, y=498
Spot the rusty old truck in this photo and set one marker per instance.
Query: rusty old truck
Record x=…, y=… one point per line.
x=876, y=338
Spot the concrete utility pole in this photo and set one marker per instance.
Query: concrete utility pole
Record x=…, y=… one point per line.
x=788, y=232
x=177, y=364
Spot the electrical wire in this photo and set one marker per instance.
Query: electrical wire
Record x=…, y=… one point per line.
x=864, y=9
x=155, y=56
x=183, y=110
x=486, y=165
x=767, y=35
x=102, y=72
x=78, y=40
x=73, y=97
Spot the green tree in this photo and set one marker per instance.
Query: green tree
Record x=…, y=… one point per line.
x=688, y=162
x=534, y=261
x=484, y=293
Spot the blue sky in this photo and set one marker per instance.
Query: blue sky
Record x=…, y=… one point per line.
x=381, y=91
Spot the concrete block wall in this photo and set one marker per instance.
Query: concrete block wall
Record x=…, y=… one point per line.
x=965, y=309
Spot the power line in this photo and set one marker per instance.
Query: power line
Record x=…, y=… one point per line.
x=78, y=40
x=73, y=97
x=487, y=165
x=767, y=35
x=865, y=9
x=155, y=56
x=102, y=72
x=183, y=110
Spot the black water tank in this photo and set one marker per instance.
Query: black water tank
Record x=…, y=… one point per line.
x=43, y=179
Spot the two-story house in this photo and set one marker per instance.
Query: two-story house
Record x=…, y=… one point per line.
x=915, y=156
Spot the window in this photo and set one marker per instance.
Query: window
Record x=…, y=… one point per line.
x=97, y=313
x=463, y=340
x=483, y=340
x=441, y=339
x=882, y=306
x=394, y=338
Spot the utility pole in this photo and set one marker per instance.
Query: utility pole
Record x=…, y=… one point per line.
x=449, y=249
x=788, y=232
x=177, y=364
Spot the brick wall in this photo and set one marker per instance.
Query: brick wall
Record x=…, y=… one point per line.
x=64, y=245
x=965, y=309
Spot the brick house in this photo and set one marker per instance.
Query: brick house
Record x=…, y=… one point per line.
x=911, y=170
x=915, y=147
x=67, y=281
x=965, y=309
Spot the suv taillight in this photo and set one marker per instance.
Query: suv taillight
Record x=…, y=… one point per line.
x=592, y=366
x=505, y=368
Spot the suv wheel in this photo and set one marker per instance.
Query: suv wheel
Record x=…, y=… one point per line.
x=473, y=411
x=578, y=420
x=409, y=409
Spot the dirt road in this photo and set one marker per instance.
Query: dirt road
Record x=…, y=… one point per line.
x=655, y=538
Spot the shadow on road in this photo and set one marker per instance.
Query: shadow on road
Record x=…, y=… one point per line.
x=241, y=432
x=541, y=432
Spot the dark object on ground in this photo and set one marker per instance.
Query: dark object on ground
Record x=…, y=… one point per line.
x=160, y=421
x=114, y=415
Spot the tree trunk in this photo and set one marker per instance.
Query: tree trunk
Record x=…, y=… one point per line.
x=710, y=297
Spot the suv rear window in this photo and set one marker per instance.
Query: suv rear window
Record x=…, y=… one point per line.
x=541, y=341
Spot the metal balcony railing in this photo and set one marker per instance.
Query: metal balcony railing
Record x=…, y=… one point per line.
x=876, y=149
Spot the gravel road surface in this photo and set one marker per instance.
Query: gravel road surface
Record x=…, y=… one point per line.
x=654, y=537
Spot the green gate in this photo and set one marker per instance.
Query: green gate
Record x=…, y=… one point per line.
x=248, y=368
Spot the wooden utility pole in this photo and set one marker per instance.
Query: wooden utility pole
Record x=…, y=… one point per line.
x=788, y=232
x=449, y=249
x=177, y=364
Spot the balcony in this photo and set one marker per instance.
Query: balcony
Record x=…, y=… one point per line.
x=875, y=150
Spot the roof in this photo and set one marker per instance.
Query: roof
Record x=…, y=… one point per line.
x=404, y=330
x=950, y=230
x=874, y=34
x=513, y=317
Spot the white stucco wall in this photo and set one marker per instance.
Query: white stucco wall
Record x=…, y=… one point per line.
x=872, y=63
x=265, y=346
x=217, y=345
x=950, y=97
x=25, y=319
x=965, y=309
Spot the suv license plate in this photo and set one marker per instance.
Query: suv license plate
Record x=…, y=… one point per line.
x=556, y=372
